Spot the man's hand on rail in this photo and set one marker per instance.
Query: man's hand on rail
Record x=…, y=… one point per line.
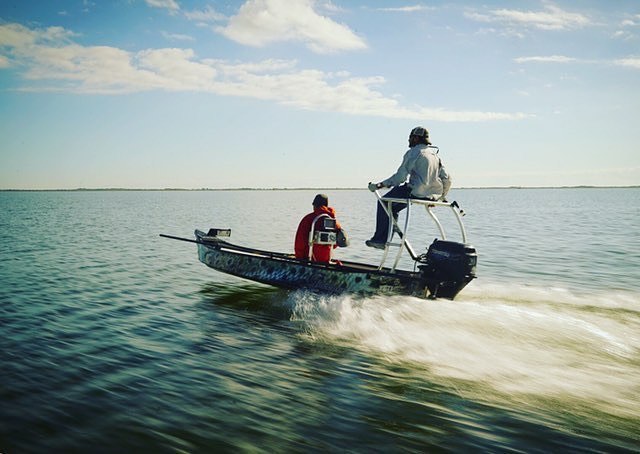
x=374, y=186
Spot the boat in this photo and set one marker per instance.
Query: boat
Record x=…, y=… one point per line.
x=442, y=272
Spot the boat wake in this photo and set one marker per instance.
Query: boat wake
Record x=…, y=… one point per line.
x=505, y=345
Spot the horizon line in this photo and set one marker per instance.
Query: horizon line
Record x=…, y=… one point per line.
x=298, y=188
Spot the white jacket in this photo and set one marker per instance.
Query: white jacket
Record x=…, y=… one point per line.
x=427, y=176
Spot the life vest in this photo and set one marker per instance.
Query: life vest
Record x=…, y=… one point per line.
x=323, y=232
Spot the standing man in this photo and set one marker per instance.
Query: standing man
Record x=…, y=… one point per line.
x=428, y=180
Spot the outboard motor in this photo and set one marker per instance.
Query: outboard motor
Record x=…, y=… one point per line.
x=448, y=267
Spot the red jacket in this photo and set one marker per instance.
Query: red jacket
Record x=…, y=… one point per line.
x=321, y=252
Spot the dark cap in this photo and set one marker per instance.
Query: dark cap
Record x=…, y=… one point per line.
x=420, y=132
x=321, y=200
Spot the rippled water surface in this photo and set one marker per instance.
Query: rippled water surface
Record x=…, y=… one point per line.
x=113, y=339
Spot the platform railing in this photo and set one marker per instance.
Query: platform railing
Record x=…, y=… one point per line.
x=430, y=205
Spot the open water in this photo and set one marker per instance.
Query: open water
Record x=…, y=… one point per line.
x=113, y=339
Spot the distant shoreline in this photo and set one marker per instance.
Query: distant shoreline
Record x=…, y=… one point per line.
x=296, y=189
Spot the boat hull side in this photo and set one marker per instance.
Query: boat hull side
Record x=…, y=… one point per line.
x=296, y=274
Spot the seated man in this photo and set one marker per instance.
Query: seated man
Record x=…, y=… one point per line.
x=428, y=180
x=320, y=252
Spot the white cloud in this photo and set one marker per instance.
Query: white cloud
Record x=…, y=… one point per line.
x=405, y=9
x=171, y=5
x=631, y=62
x=546, y=59
x=623, y=34
x=205, y=16
x=19, y=36
x=261, y=67
x=326, y=5
x=552, y=18
x=68, y=67
x=177, y=37
x=628, y=26
x=262, y=22
x=631, y=21
x=4, y=62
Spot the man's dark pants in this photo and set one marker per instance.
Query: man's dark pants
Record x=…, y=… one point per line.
x=382, y=220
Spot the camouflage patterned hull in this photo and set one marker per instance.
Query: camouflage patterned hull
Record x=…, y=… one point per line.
x=285, y=271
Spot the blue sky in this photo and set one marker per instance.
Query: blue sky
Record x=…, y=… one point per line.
x=304, y=93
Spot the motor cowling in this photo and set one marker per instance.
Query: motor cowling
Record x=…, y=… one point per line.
x=448, y=266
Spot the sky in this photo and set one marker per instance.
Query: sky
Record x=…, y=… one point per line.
x=315, y=93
